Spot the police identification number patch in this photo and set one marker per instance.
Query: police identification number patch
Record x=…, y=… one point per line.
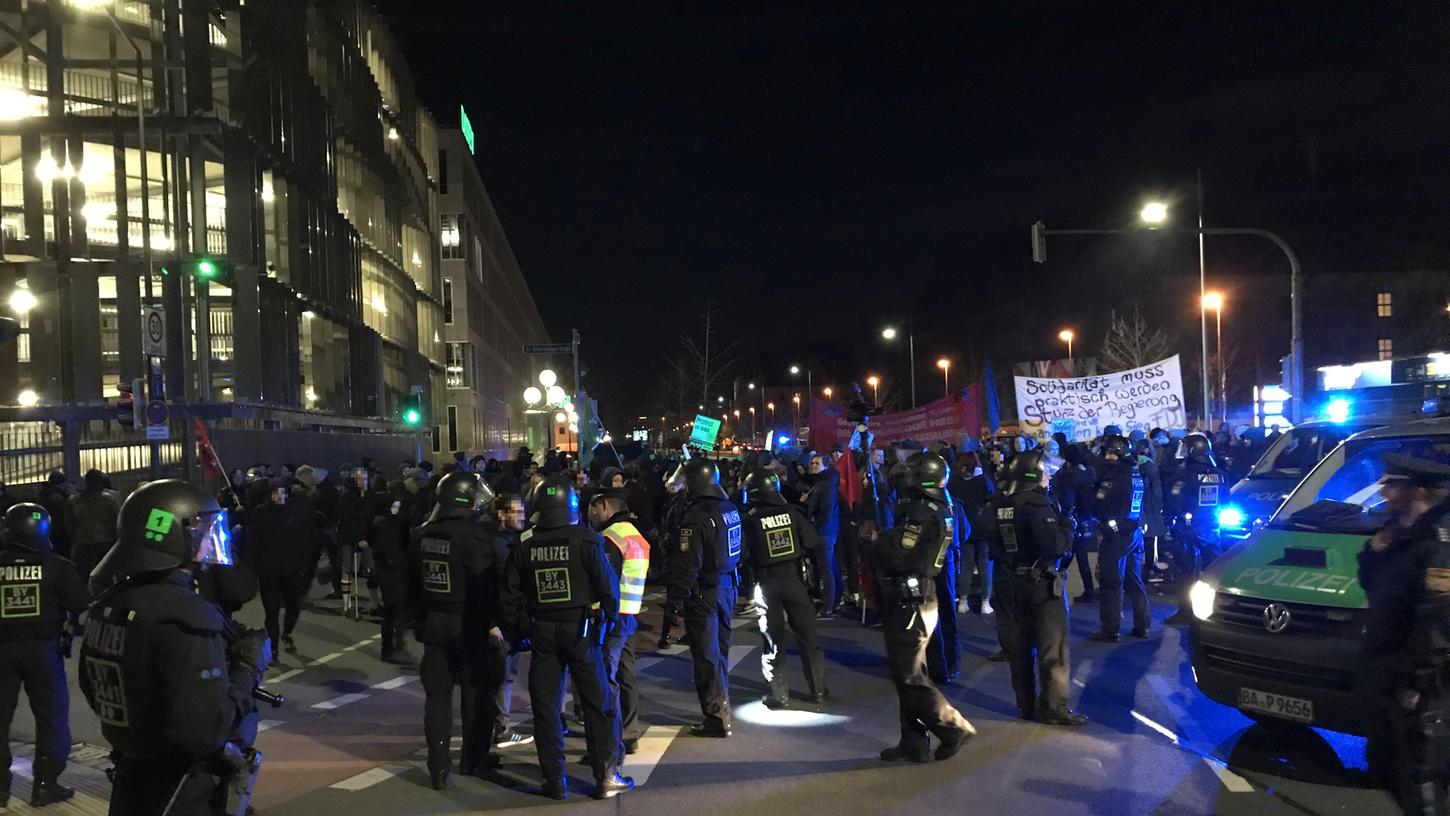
x=1437, y=579
x=686, y=534
x=552, y=585
x=909, y=536
x=19, y=601
x=108, y=691
x=437, y=577
x=732, y=532
x=1208, y=495
x=779, y=543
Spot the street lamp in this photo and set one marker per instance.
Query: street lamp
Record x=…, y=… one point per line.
x=796, y=370
x=875, y=384
x=1215, y=301
x=1067, y=336
x=795, y=432
x=1154, y=213
x=946, y=372
x=548, y=378
x=827, y=392
x=22, y=301
x=890, y=333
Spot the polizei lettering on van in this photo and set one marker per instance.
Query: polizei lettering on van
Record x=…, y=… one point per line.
x=1295, y=579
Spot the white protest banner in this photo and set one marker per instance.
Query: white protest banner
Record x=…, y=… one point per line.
x=1137, y=399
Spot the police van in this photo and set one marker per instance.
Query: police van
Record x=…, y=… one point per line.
x=1278, y=617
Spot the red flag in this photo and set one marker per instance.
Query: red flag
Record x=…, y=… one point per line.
x=850, y=485
x=211, y=464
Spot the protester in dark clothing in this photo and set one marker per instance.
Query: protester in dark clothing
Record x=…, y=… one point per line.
x=639, y=501
x=55, y=498
x=1072, y=490
x=970, y=489
x=95, y=510
x=388, y=541
x=276, y=547
x=823, y=511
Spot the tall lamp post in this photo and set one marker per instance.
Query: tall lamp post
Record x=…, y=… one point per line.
x=795, y=432
x=1067, y=336
x=1156, y=212
x=946, y=372
x=890, y=333
x=1214, y=301
x=875, y=383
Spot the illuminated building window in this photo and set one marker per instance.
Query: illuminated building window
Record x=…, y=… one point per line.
x=1384, y=304
x=1386, y=349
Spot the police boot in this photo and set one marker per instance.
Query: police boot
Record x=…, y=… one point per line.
x=48, y=792
x=606, y=787
x=555, y=789
x=952, y=743
x=438, y=762
x=903, y=753
x=1064, y=716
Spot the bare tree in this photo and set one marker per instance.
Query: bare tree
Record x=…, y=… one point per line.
x=1131, y=342
x=702, y=360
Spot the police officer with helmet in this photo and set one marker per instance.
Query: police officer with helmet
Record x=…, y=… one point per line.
x=1405, y=571
x=628, y=553
x=552, y=578
x=154, y=664
x=702, y=587
x=1029, y=540
x=40, y=595
x=1118, y=507
x=1195, y=492
x=777, y=537
x=906, y=559
x=453, y=597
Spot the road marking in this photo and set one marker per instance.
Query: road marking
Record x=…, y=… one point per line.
x=652, y=746
x=341, y=700
x=1161, y=729
x=368, y=778
x=362, y=643
x=1230, y=780
x=325, y=659
x=268, y=725
x=287, y=675
x=737, y=654
x=396, y=682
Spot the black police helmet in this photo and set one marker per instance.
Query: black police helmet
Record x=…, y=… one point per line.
x=1197, y=448
x=27, y=526
x=1116, y=445
x=927, y=474
x=1024, y=473
x=555, y=504
x=762, y=486
x=702, y=478
x=461, y=494
x=165, y=525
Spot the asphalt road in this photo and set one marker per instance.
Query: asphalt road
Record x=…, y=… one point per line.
x=349, y=740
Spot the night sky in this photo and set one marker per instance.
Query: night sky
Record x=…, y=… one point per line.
x=820, y=169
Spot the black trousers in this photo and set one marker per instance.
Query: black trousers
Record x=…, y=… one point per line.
x=783, y=600
x=282, y=595
x=452, y=659
x=923, y=708
x=38, y=666
x=1082, y=546
x=1120, y=566
x=623, y=682
x=944, y=652
x=558, y=649
x=708, y=614
x=144, y=785
x=848, y=554
x=1032, y=628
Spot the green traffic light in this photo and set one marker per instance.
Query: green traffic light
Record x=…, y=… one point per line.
x=412, y=416
x=206, y=268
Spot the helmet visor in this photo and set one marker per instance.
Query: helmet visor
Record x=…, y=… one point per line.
x=211, y=539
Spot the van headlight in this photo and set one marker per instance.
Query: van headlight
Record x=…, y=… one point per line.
x=1201, y=597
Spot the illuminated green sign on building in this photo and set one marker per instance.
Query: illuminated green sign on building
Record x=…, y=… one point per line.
x=467, y=127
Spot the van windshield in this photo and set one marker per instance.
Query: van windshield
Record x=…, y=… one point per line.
x=1297, y=451
x=1342, y=495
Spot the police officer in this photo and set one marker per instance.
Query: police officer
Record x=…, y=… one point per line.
x=454, y=601
x=154, y=664
x=1029, y=540
x=777, y=537
x=1118, y=507
x=1405, y=572
x=702, y=587
x=1193, y=497
x=674, y=514
x=553, y=577
x=905, y=560
x=628, y=553
x=1072, y=489
x=40, y=595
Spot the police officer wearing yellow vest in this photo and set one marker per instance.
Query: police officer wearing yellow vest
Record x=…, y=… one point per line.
x=702, y=586
x=777, y=538
x=552, y=578
x=155, y=665
x=628, y=553
x=906, y=559
x=40, y=594
x=454, y=601
x=1028, y=539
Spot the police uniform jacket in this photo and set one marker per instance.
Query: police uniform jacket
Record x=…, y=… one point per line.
x=153, y=667
x=918, y=544
x=1025, y=530
x=554, y=574
x=1408, y=588
x=710, y=543
x=455, y=571
x=37, y=593
x=776, y=534
x=1197, y=488
x=1119, y=494
x=1072, y=487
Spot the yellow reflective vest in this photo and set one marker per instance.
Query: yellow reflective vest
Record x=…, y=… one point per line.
x=626, y=538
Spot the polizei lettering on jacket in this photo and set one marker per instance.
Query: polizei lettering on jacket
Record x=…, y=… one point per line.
x=551, y=553
x=776, y=521
x=21, y=572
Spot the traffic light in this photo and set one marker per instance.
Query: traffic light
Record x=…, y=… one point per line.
x=412, y=411
x=207, y=269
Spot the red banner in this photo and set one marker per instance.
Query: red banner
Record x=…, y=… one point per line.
x=951, y=419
